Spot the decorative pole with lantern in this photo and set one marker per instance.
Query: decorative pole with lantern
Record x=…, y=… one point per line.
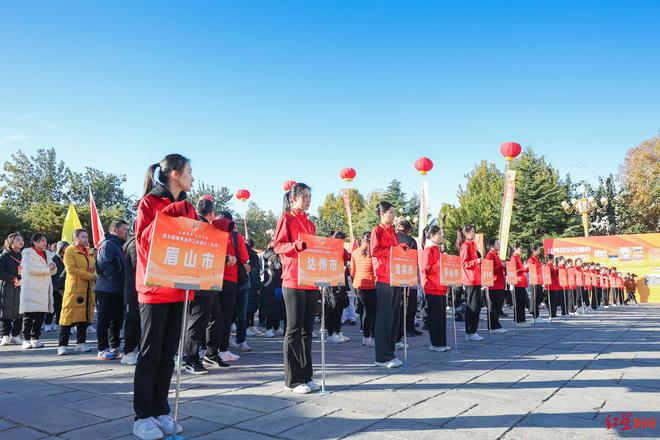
x=347, y=175
x=510, y=150
x=423, y=165
x=243, y=195
x=584, y=206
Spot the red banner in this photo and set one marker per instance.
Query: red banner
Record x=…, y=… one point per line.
x=403, y=267
x=487, y=275
x=450, y=270
x=322, y=263
x=563, y=277
x=547, y=277
x=511, y=273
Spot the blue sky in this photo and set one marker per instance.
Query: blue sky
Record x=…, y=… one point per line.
x=258, y=92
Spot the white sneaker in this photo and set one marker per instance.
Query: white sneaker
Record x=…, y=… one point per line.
x=400, y=345
x=6, y=340
x=313, y=386
x=369, y=342
x=315, y=335
x=343, y=338
x=56, y=328
x=228, y=356
x=301, y=389
x=26, y=345
x=48, y=328
x=253, y=331
x=233, y=328
x=91, y=329
x=500, y=330
x=394, y=363
x=83, y=348
x=279, y=332
x=62, y=350
x=440, y=349
x=130, y=358
x=147, y=429
x=16, y=340
x=525, y=324
x=73, y=330
x=36, y=343
x=243, y=346
x=232, y=342
x=166, y=424
x=270, y=333
x=334, y=339
x=473, y=337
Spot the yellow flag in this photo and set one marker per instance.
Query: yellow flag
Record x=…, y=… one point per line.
x=71, y=223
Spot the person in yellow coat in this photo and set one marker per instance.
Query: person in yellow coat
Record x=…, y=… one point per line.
x=78, y=299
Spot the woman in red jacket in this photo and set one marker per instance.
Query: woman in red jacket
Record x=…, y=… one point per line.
x=161, y=308
x=554, y=291
x=436, y=294
x=471, y=277
x=497, y=292
x=520, y=289
x=383, y=238
x=300, y=301
x=364, y=280
x=533, y=263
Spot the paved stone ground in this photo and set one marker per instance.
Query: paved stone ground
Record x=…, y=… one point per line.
x=557, y=380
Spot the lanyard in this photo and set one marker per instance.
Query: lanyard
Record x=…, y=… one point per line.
x=302, y=226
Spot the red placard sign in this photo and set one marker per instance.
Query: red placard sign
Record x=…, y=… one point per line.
x=563, y=277
x=533, y=275
x=594, y=279
x=403, y=267
x=487, y=275
x=578, y=278
x=587, y=279
x=547, y=276
x=450, y=270
x=322, y=263
x=571, y=276
x=511, y=272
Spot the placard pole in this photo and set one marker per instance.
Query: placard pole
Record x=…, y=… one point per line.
x=488, y=306
x=406, y=291
x=564, y=309
x=184, y=326
x=550, y=304
x=534, y=306
x=322, y=338
x=453, y=303
x=515, y=305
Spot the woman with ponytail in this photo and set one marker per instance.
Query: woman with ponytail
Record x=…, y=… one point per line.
x=471, y=278
x=364, y=280
x=300, y=301
x=436, y=294
x=383, y=238
x=520, y=288
x=161, y=308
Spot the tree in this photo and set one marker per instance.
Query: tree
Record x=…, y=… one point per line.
x=38, y=179
x=639, y=177
x=367, y=219
x=261, y=225
x=221, y=194
x=332, y=213
x=108, y=192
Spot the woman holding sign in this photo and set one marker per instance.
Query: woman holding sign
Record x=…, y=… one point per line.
x=161, y=308
x=471, y=277
x=300, y=301
x=520, y=289
x=383, y=238
x=498, y=291
x=436, y=294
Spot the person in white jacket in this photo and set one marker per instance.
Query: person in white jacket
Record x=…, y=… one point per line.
x=36, y=289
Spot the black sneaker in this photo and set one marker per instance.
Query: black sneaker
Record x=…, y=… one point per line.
x=196, y=367
x=215, y=361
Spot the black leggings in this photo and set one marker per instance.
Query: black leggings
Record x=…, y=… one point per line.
x=32, y=325
x=496, y=301
x=219, y=327
x=369, y=300
x=333, y=318
x=301, y=312
x=437, y=319
x=472, y=308
x=521, y=301
x=81, y=333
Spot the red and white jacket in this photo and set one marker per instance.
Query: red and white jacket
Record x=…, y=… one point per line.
x=430, y=271
x=287, y=245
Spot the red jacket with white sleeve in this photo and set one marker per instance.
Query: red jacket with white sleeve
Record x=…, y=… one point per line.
x=287, y=245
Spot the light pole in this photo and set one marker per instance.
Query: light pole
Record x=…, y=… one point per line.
x=584, y=206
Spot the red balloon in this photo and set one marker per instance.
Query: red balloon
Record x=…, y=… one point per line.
x=510, y=150
x=242, y=194
x=423, y=165
x=288, y=185
x=347, y=174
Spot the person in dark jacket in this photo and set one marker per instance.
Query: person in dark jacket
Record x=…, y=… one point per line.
x=132, y=331
x=271, y=292
x=336, y=299
x=59, y=279
x=111, y=265
x=11, y=321
x=255, y=287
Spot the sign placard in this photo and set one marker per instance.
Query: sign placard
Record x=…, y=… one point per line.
x=533, y=276
x=511, y=272
x=487, y=274
x=403, y=267
x=322, y=263
x=594, y=279
x=571, y=277
x=450, y=270
x=563, y=277
x=578, y=278
x=547, y=275
x=186, y=254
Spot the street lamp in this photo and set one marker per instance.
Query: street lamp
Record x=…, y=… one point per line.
x=584, y=206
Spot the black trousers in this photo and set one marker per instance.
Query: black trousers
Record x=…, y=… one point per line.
x=521, y=301
x=218, y=329
x=199, y=311
x=583, y=295
x=333, y=318
x=110, y=311
x=32, y=325
x=57, y=305
x=436, y=310
x=369, y=300
x=535, y=302
x=496, y=302
x=472, y=308
x=81, y=334
x=11, y=327
x=161, y=330
x=594, y=298
x=387, y=320
x=297, y=348
x=272, y=322
x=411, y=312
x=131, y=335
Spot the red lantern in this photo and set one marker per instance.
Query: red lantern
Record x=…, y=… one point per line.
x=424, y=165
x=347, y=174
x=288, y=185
x=242, y=195
x=510, y=150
